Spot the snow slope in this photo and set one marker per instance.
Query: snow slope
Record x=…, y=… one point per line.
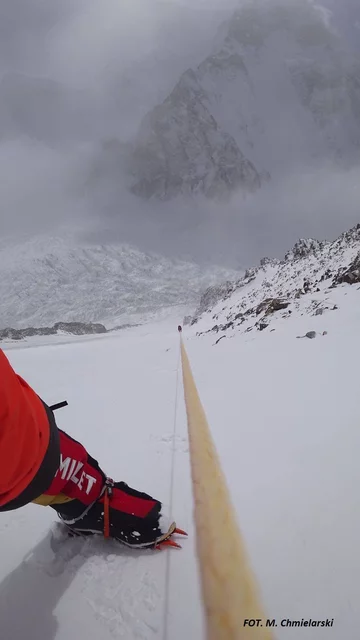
x=284, y=414
x=302, y=283
x=46, y=279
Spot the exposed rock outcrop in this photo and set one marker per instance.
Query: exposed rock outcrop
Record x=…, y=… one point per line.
x=73, y=328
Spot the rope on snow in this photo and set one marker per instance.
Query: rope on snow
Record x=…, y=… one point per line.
x=229, y=589
x=171, y=496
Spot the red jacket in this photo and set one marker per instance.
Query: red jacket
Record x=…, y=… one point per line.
x=24, y=433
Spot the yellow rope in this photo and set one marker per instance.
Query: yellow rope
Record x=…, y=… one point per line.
x=228, y=586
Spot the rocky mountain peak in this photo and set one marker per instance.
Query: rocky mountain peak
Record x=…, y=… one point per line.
x=181, y=149
x=278, y=92
x=303, y=248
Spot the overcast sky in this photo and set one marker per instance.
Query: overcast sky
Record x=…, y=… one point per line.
x=73, y=72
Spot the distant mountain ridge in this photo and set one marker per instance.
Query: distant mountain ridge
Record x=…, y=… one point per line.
x=47, y=279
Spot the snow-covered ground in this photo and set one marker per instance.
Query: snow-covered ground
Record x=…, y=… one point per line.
x=284, y=414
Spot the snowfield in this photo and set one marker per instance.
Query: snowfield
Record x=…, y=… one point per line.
x=284, y=414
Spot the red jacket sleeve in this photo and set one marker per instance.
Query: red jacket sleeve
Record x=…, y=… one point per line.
x=24, y=433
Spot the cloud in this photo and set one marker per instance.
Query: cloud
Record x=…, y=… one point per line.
x=320, y=203
x=73, y=73
x=38, y=187
x=86, y=71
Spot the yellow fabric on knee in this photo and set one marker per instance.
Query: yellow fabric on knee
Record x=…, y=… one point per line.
x=47, y=501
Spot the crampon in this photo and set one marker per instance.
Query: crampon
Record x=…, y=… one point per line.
x=167, y=541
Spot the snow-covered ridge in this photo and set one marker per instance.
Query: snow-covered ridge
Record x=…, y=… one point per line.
x=300, y=283
x=49, y=279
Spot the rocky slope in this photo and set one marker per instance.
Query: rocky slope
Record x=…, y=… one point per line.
x=278, y=92
x=304, y=282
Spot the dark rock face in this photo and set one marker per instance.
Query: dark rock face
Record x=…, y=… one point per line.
x=20, y=334
x=73, y=328
x=351, y=275
x=79, y=328
x=270, y=305
x=310, y=334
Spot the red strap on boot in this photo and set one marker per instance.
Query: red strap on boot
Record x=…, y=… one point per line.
x=106, y=514
x=107, y=496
